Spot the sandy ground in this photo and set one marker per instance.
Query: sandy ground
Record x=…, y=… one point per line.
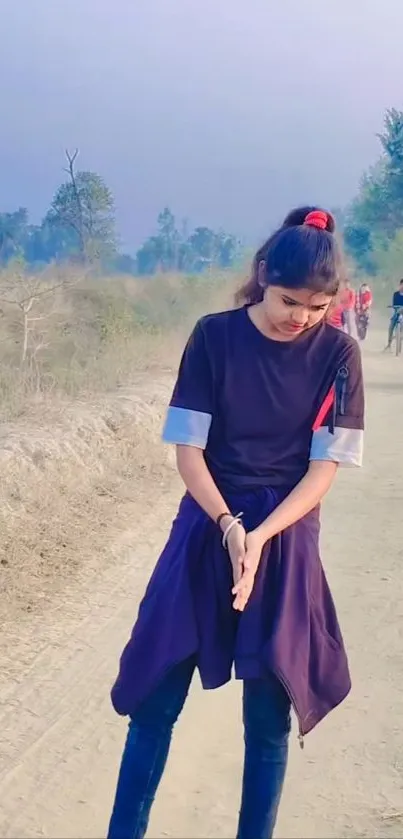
x=60, y=741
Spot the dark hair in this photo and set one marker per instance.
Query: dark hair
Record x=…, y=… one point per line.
x=296, y=256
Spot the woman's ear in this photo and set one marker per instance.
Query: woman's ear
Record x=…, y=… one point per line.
x=261, y=274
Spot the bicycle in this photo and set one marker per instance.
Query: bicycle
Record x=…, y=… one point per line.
x=397, y=334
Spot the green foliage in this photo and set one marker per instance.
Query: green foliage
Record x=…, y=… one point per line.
x=388, y=261
x=171, y=250
x=376, y=214
x=80, y=227
x=392, y=139
x=83, y=209
x=14, y=233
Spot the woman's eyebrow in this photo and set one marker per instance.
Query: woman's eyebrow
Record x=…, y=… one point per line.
x=292, y=300
x=298, y=302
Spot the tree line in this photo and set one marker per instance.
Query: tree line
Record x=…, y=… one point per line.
x=80, y=227
x=373, y=222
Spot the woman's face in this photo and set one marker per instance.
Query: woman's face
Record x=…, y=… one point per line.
x=291, y=311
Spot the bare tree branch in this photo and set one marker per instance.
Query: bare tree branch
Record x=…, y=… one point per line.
x=80, y=230
x=35, y=294
x=29, y=298
x=71, y=160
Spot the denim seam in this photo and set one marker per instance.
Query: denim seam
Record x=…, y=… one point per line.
x=146, y=791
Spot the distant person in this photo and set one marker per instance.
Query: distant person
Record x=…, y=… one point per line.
x=268, y=403
x=347, y=298
x=363, y=305
x=397, y=304
x=364, y=298
x=335, y=315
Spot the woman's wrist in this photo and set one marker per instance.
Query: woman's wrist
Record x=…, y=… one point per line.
x=223, y=520
x=265, y=531
x=229, y=524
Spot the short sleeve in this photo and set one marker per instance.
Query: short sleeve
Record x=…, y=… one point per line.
x=189, y=415
x=339, y=436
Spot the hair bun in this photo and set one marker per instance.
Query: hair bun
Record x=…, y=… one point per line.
x=299, y=216
x=318, y=218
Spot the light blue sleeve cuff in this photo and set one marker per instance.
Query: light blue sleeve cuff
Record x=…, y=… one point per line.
x=184, y=427
x=345, y=446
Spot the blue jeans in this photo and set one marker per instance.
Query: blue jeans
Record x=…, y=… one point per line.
x=266, y=717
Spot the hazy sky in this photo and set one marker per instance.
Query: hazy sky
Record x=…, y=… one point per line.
x=229, y=111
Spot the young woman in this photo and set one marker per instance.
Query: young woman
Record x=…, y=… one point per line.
x=268, y=402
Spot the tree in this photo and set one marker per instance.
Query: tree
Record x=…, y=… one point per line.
x=202, y=247
x=164, y=251
x=80, y=227
x=149, y=256
x=211, y=248
x=392, y=140
x=226, y=249
x=389, y=260
x=82, y=211
x=13, y=234
x=170, y=250
x=169, y=240
x=377, y=211
x=49, y=242
x=358, y=243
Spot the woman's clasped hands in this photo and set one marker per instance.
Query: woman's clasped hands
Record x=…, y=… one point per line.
x=245, y=550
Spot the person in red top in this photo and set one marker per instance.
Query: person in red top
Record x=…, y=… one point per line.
x=347, y=299
x=364, y=298
x=335, y=316
x=362, y=310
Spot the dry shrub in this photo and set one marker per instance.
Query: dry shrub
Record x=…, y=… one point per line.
x=82, y=415
x=89, y=335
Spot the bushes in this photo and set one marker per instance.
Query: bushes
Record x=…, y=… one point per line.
x=87, y=335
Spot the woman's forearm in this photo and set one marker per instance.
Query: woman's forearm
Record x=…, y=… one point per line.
x=301, y=500
x=195, y=474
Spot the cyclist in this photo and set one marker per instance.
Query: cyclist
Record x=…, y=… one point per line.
x=397, y=304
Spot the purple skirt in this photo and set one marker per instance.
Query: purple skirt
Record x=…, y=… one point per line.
x=289, y=627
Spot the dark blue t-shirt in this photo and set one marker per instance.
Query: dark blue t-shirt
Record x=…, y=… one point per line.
x=398, y=299
x=251, y=402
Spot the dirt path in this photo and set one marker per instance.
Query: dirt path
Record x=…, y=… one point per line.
x=60, y=742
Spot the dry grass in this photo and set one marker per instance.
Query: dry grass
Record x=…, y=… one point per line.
x=81, y=417
x=83, y=336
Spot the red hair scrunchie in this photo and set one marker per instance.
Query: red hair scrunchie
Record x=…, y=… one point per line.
x=317, y=218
